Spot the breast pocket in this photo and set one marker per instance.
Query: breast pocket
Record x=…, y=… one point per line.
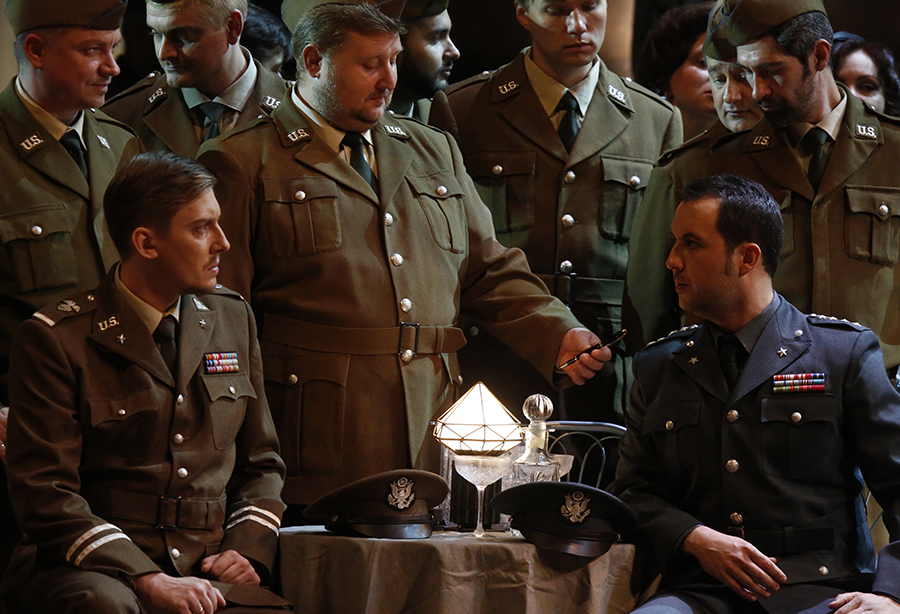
x=872, y=225
x=301, y=216
x=441, y=197
x=306, y=394
x=121, y=424
x=505, y=182
x=800, y=435
x=673, y=427
x=38, y=246
x=621, y=192
x=228, y=394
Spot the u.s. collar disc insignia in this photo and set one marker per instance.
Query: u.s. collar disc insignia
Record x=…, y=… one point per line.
x=576, y=507
x=401, y=495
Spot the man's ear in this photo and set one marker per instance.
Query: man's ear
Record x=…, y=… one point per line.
x=821, y=55
x=312, y=60
x=34, y=46
x=144, y=243
x=750, y=257
x=521, y=11
x=234, y=27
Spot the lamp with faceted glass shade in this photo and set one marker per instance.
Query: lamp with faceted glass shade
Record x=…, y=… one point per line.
x=479, y=429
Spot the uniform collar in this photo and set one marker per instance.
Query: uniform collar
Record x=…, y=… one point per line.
x=148, y=314
x=328, y=133
x=831, y=124
x=549, y=90
x=235, y=96
x=52, y=125
x=749, y=334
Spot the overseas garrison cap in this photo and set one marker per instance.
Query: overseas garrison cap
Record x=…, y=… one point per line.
x=292, y=11
x=393, y=504
x=26, y=15
x=745, y=20
x=415, y=9
x=566, y=516
x=716, y=44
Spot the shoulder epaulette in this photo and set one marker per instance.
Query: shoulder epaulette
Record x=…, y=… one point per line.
x=138, y=87
x=223, y=291
x=67, y=308
x=700, y=139
x=649, y=94
x=479, y=78
x=815, y=318
x=675, y=334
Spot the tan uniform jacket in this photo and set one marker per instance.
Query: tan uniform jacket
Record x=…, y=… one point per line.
x=841, y=253
x=53, y=237
x=333, y=270
x=570, y=213
x=117, y=467
x=162, y=119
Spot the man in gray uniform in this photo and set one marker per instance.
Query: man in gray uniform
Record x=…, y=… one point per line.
x=560, y=149
x=209, y=83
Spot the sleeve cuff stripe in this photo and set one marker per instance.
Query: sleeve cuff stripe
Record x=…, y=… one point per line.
x=89, y=534
x=257, y=519
x=263, y=512
x=96, y=544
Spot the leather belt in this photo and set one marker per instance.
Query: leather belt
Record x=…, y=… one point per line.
x=572, y=288
x=818, y=534
x=167, y=513
x=418, y=338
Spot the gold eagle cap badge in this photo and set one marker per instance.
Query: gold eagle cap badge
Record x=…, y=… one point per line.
x=576, y=507
x=401, y=495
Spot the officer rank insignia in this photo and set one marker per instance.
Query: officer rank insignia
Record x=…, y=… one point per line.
x=221, y=362
x=798, y=382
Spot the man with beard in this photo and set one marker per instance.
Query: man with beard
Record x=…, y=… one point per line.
x=427, y=59
x=830, y=162
x=358, y=239
x=209, y=85
x=560, y=149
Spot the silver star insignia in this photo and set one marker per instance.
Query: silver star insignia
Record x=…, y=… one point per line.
x=202, y=323
x=782, y=352
x=694, y=360
x=121, y=339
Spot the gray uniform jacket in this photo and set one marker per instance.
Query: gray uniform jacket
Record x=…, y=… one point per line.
x=53, y=237
x=841, y=252
x=162, y=120
x=358, y=294
x=571, y=213
x=119, y=467
x=780, y=469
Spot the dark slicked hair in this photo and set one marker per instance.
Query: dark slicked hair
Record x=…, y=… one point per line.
x=798, y=35
x=883, y=59
x=149, y=191
x=747, y=214
x=328, y=26
x=669, y=43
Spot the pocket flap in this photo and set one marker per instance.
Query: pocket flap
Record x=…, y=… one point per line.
x=671, y=416
x=798, y=408
x=440, y=186
x=228, y=385
x=122, y=408
x=630, y=172
x=35, y=223
x=500, y=163
x=881, y=202
x=298, y=369
x=298, y=190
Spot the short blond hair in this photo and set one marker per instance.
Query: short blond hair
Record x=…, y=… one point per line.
x=217, y=10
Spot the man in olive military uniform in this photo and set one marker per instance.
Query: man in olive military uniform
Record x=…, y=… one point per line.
x=143, y=461
x=202, y=91
x=840, y=195
x=359, y=239
x=57, y=154
x=560, y=149
x=424, y=66
x=748, y=435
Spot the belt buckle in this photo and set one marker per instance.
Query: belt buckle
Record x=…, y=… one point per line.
x=403, y=327
x=159, y=513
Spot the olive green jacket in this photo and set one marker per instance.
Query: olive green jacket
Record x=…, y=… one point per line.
x=332, y=269
x=53, y=237
x=841, y=253
x=161, y=118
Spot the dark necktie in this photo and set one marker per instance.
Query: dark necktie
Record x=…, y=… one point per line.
x=355, y=142
x=731, y=355
x=72, y=142
x=212, y=111
x=815, y=141
x=164, y=335
x=568, y=125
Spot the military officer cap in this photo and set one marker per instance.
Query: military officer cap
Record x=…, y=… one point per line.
x=746, y=20
x=415, y=9
x=292, y=11
x=566, y=516
x=26, y=15
x=716, y=44
x=393, y=504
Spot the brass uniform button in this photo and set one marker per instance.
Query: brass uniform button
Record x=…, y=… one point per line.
x=473, y=331
x=732, y=415
x=497, y=170
x=293, y=379
x=635, y=181
x=388, y=219
x=670, y=426
x=568, y=221
x=566, y=267
x=823, y=570
x=300, y=195
x=176, y=553
x=732, y=466
x=179, y=400
x=407, y=355
x=405, y=305
x=231, y=389
x=178, y=439
x=569, y=177
x=182, y=473
x=396, y=259
x=883, y=210
x=36, y=230
x=796, y=417
x=121, y=412
x=736, y=519
x=441, y=190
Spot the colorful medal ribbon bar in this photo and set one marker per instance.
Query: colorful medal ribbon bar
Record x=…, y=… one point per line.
x=222, y=362
x=798, y=382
